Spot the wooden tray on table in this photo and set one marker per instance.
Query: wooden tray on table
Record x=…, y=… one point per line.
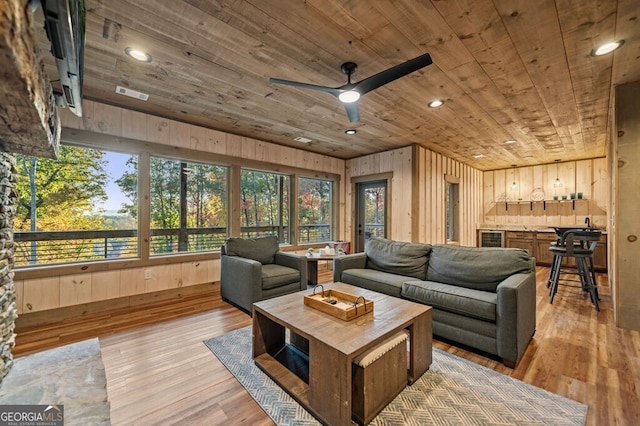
x=344, y=306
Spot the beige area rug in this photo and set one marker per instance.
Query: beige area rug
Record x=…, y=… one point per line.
x=453, y=392
x=71, y=375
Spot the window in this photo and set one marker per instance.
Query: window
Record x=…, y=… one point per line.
x=188, y=206
x=264, y=204
x=314, y=210
x=75, y=208
x=453, y=206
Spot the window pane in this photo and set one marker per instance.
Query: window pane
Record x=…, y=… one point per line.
x=452, y=211
x=314, y=210
x=264, y=204
x=188, y=206
x=75, y=208
x=375, y=211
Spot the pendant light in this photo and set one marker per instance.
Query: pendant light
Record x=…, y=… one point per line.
x=557, y=183
x=514, y=186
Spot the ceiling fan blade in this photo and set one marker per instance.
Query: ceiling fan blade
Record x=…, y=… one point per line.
x=393, y=73
x=353, y=112
x=333, y=90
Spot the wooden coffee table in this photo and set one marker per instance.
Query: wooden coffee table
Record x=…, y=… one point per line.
x=315, y=366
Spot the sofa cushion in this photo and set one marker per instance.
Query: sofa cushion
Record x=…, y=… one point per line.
x=479, y=268
x=261, y=249
x=451, y=298
x=382, y=282
x=398, y=257
x=274, y=275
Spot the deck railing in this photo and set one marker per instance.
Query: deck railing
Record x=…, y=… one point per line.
x=41, y=248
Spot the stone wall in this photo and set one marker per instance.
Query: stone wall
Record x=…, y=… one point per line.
x=9, y=311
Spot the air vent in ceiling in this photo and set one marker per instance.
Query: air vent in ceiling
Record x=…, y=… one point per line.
x=131, y=93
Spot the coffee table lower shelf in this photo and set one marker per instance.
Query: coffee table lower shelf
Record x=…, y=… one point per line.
x=290, y=370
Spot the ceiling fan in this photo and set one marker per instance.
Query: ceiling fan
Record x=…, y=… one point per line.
x=351, y=92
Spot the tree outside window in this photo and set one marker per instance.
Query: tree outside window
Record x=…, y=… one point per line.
x=314, y=210
x=70, y=209
x=188, y=206
x=264, y=204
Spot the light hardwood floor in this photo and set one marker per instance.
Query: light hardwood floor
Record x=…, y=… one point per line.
x=159, y=371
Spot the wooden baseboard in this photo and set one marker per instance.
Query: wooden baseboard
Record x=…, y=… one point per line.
x=56, y=327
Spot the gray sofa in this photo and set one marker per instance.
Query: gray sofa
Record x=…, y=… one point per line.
x=255, y=269
x=484, y=298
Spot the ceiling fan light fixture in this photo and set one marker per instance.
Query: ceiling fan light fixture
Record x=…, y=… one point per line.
x=351, y=131
x=435, y=104
x=607, y=48
x=349, y=96
x=137, y=54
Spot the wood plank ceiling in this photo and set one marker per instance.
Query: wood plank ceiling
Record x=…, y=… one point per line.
x=506, y=69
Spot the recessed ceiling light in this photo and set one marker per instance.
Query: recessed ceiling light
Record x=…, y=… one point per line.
x=509, y=142
x=607, y=48
x=478, y=156
x=351, y=131
x=436, y=103
x=302, y=139
x=138, y=55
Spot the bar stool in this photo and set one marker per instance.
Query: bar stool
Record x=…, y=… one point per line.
x=580, y=245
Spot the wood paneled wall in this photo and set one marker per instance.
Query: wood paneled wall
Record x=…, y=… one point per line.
x=417, y=192
x=586, y=176
x=625, y=238
x=399, y=163
x=85, y=284
x=433, y=169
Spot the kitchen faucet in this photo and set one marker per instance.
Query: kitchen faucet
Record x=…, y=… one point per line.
x=587, y=222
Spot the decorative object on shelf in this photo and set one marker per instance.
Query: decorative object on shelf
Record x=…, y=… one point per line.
x=327, y=251
x=504, y=197
x=537, y=194
x=564, y=197
x=579, y=195
x=572, y=195
x=557, y=183
x=555, y=198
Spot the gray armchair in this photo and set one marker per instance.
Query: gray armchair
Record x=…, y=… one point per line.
x=255, y=269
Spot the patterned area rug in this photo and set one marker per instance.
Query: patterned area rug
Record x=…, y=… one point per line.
x=453, y=392
x=71, y=375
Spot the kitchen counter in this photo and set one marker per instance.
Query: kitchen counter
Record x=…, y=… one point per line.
x=529, y=228
x=536, y=240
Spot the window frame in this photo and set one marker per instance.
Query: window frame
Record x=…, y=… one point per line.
x=182, y=229
x=290, y=235
x=144, y=149
x=106, y=260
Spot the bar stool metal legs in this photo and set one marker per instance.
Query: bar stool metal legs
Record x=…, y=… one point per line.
x=580, y=245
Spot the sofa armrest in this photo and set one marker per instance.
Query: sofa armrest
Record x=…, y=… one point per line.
x=240, y=280
x=516, y=315
x=294, y=261
x=348, y=261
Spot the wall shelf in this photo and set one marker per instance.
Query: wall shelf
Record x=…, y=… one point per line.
x=543, y=202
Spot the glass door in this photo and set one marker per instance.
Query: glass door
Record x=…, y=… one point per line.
x=371, y=212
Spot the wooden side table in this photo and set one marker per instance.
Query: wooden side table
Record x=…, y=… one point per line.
x=312, y=267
